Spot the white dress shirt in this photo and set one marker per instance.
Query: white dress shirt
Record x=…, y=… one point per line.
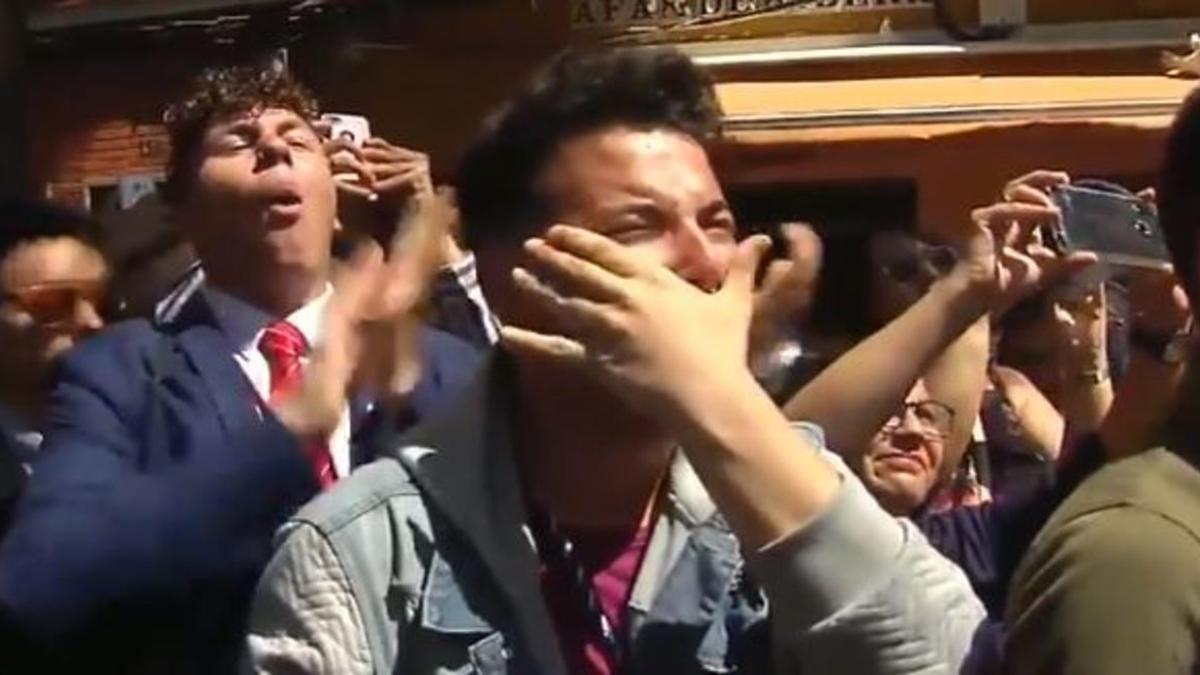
x=244, y=325
x=464, y=270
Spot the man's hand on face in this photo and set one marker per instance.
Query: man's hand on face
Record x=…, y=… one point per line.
x=371, y=325
x=654, y=337
x=1003, y=258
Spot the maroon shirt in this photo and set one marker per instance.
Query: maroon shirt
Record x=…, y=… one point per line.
x=612, y=560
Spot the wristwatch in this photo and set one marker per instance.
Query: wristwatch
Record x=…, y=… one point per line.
x=1170, y=350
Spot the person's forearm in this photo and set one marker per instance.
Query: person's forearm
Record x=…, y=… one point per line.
x=853, y=397
x=1043, y=425
x=1087, y=391
x=1143, y=401
x=767, y=481
x=1085, y=408
x=749, y=457
x=958, y=378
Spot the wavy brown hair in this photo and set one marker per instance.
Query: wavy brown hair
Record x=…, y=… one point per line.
x=218, y=95
x=575, y=93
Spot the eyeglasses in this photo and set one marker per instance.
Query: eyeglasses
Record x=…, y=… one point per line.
x=53, y=305
x=936, y=418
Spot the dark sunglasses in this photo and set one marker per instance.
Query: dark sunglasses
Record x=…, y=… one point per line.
x=53, y=305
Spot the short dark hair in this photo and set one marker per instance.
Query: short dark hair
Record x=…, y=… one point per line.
x=1179, y=193
x=218, y=95
x=27, y=220
x=575, y=93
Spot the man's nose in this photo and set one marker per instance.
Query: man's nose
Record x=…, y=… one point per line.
x=273, y=150
x=697, y=260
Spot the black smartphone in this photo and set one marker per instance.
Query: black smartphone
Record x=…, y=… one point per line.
x=1122, y=230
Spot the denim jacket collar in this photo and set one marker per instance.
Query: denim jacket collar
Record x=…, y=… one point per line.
x=483, y=575
x=463, y=464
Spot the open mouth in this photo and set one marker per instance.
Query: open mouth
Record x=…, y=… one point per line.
x=285, y=204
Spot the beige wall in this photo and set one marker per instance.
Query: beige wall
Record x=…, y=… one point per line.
x=956, y=172
x=94, y=122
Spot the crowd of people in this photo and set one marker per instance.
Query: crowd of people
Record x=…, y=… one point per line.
x=565, y=416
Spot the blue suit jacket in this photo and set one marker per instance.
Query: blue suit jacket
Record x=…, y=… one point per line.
x=152, y=505
x=12, y=474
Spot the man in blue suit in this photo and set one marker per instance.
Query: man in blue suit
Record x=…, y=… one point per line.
x=174, y=450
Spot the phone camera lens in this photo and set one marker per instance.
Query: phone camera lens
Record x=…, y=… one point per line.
x=1143, y=228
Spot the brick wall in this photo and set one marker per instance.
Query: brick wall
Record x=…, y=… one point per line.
x=116, y=148
x=90, y=124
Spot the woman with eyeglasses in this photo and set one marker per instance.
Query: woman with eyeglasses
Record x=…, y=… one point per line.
x=902, y=465
x=52, y=287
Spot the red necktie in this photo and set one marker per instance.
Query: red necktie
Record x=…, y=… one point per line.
x=283, y=344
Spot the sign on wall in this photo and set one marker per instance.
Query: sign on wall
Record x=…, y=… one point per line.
x=621, y=13
x=131, y=189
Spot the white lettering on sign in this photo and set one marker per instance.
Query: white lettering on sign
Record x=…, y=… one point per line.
x=619, y=13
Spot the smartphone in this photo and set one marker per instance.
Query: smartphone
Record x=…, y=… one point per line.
x=354, y=129
x=1122, y=230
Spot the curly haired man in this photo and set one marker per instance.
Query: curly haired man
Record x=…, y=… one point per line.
x=175, y=449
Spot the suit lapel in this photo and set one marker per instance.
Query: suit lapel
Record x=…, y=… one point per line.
x=464, y=465
x=210, y=355
x=211, y=358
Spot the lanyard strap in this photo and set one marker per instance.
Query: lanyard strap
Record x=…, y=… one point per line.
x=557, y=551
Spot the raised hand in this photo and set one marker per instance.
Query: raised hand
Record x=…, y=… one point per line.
x=787, y=288
x=1004, y=259
x=653, y=336
x=315, y=408
x=391, y=363
x=1035, y=186
x=1160, y=305
x=385, y=180
x=369, y=340
x=1082, y=329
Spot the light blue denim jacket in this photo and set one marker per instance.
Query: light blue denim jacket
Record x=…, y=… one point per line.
x=421, y=563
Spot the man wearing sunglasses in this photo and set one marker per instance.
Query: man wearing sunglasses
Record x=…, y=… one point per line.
x=52, y=283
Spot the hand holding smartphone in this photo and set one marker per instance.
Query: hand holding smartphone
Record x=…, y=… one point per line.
x=377, y=181
x=1121, y=229
x=350, y=131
